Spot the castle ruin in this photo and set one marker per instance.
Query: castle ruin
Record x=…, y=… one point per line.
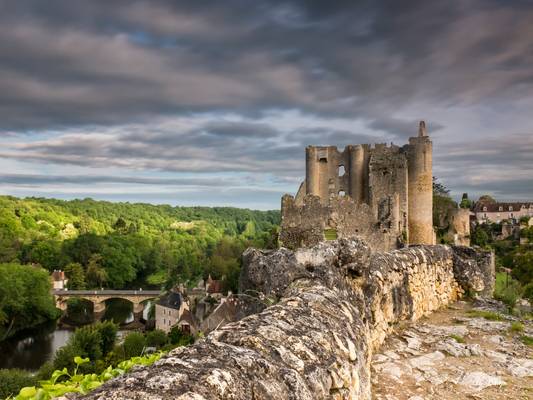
x=384, y=195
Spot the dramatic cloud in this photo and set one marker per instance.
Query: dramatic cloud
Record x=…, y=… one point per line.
x=214, y=92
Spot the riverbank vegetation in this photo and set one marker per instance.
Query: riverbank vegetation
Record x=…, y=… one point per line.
x=25, y=299
x=116, y=246
x=98, y=345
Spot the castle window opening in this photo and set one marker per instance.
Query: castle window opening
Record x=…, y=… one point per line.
x=342, y=193
x=341, y=170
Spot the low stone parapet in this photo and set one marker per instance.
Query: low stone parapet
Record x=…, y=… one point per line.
x=333, y=304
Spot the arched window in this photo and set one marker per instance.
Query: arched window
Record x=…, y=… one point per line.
x=341, y=170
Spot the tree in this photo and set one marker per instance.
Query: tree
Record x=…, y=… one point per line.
x=134, y=344
x=439, y=189
x=75, y=275
x=25, y=298
x=96, y=274
x=12, y=380
x=156, y=338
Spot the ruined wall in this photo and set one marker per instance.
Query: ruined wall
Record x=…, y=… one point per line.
x=308, y=222
x=335, y=304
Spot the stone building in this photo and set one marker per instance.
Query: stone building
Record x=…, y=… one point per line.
x=59, y=280
x=169, y=310
x=487, y=212
x=380, y=193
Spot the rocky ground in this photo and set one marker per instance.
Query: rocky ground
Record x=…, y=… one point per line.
x=467, y=351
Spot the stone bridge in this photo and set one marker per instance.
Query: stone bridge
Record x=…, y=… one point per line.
x=99, y=297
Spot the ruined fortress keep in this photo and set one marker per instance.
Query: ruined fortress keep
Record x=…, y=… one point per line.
x=384, y=195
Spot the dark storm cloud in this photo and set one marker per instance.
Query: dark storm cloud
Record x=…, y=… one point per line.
x=34, y=179
x=114, y=62
x=96, y=77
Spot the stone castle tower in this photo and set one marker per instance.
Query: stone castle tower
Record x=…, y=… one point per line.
x=381, y=193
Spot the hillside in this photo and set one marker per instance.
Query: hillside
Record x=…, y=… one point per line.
x=119, y=245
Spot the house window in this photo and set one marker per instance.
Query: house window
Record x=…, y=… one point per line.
x=485, y=209
x=510, y=208
x=500, y=208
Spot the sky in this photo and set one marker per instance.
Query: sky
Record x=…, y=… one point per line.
x=213, y=102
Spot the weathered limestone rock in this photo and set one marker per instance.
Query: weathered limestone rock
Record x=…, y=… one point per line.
x=335, y=304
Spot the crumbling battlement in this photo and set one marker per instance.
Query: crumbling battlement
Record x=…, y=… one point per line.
x=394, y=182
x=334, y=304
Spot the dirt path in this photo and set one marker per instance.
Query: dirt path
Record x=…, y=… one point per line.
x=456, y=354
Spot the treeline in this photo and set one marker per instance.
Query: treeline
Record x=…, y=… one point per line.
x=123, y=245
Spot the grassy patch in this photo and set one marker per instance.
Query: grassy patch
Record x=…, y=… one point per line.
x=516, y=327
x=330, y=234
x=507, y=290
x=489, y=315
x=527, y=340
x=458, y=339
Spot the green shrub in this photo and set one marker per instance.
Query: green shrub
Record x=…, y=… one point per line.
x=458, y=339
x=527, y=340
x=488, y=315
x=45, y=372
x=12, y=380
x=134, y=344
x=156, y=338
x=179, y=338
x=516, y=327
x=62, y=382
x=507, y=290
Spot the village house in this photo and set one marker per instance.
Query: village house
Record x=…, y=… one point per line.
x=169, y=310
x=496, y=212
x=59, y=280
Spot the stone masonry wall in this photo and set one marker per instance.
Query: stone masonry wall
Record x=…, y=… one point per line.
x=333, y=305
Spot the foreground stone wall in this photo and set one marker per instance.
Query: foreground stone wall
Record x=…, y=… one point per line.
x=333, y=305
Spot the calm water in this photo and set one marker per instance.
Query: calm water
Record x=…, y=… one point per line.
x=32, y=349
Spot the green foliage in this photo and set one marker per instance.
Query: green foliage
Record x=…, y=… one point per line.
x=75, y=275
x=527, y=340
x=458, y=339
x=122, y=245
x=156, y=338
x=25, y=299
x=134, y=344
x=528, y=292
x=330, y=234
x=12, y=380
x=93, y=341
x=177, y=337
x=62, y=382
x=507, y=289
x=79, y=311
x=466, y=203
x=516, y=327
x=488, y=315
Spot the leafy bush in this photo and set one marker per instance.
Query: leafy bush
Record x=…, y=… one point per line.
x=62, y=382
x=516, y=327
x=134, y=344
x=93, y=342
x=488, y=315
x=12, y=380
x=507, y=290
x=25, y=299
x=177, y=337
x=156, y=338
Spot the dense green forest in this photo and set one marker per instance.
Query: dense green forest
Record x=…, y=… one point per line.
x=123, y=245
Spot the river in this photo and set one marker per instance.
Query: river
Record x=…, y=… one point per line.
x=31, y=349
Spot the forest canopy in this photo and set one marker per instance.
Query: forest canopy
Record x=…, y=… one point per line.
x=124, y=245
